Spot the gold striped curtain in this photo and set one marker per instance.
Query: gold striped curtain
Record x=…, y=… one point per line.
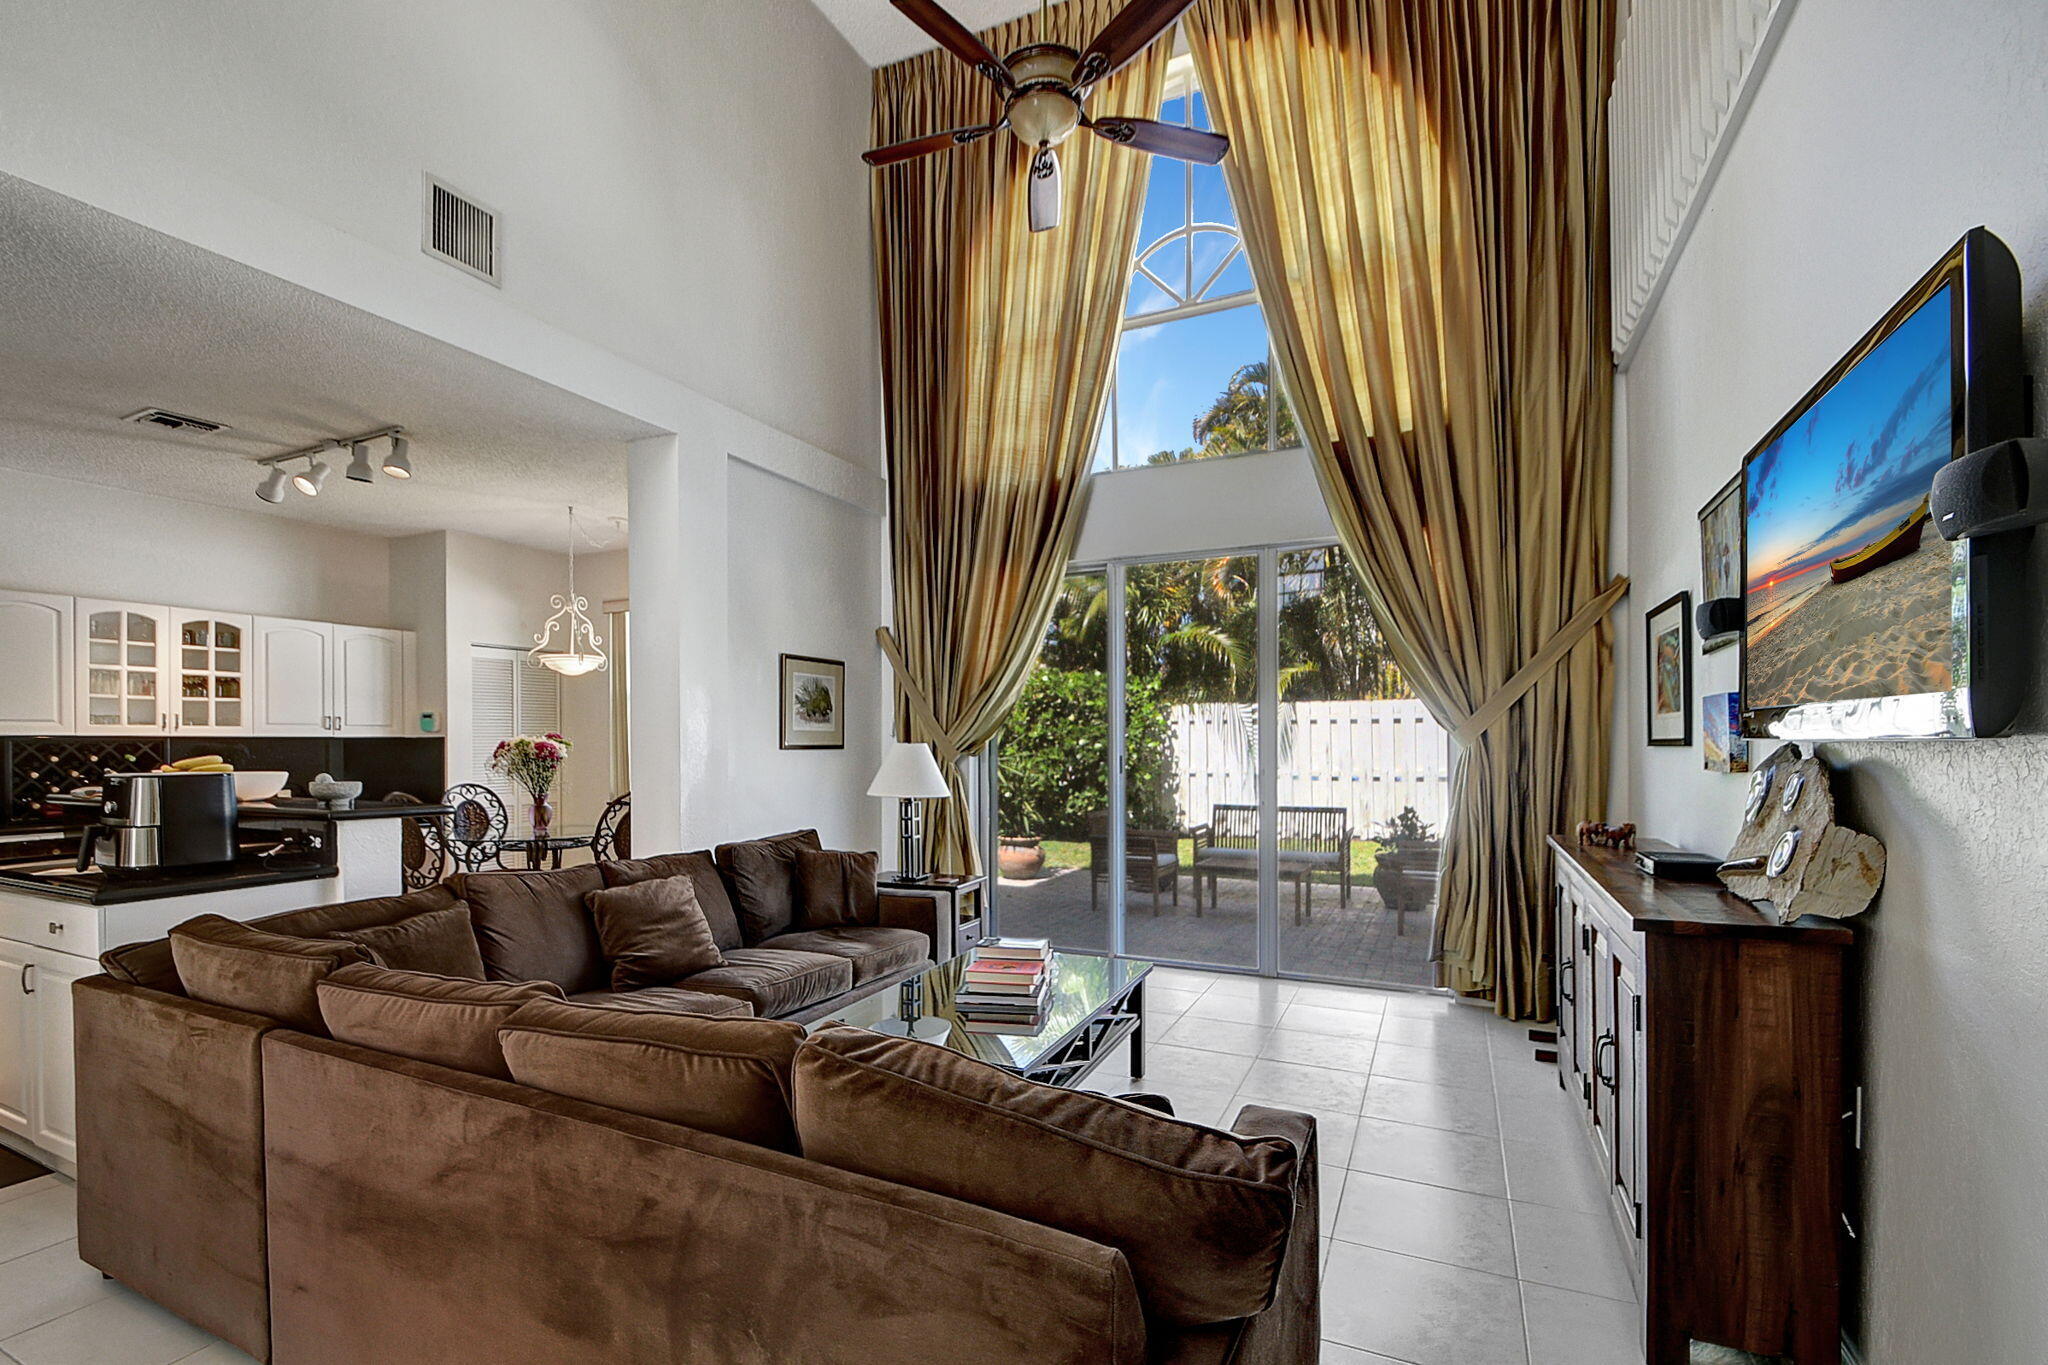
x=1422, y=190
x=997, y=345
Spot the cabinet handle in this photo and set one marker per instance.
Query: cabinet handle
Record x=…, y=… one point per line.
x=1601, y=1074
x=1567, y=972
x=26, y=987
x=56, y=926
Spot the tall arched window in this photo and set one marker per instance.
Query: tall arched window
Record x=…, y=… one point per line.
x=1194, y=373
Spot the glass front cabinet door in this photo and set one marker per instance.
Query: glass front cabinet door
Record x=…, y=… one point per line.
x=211, y=658
x=122, y=667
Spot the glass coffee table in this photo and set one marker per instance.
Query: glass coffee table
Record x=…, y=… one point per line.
x=1097, y=1002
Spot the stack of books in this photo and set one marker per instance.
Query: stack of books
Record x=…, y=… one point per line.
x=1006, y=986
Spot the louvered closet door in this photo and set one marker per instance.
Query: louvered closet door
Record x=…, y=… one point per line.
x=508, y=696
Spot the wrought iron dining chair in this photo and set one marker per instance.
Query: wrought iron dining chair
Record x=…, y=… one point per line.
x=614, y=836
x=424, y=847
x=477, y=826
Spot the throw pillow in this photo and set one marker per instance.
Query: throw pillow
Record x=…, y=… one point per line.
x=532, y=926
x=440, y=941
x=1202, y=1215
x=728, y=1076
x=653, y=932
x=702, y=871
x=834, y=888
x=440, y=1019
x=225, y=963
x=762, y=875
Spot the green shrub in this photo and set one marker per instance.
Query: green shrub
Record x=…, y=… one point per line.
x=1051, y=762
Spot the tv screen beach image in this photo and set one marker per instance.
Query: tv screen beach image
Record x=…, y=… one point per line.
x=1849, y=588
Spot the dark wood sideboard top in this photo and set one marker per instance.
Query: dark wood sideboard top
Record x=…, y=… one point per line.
x=1658, y=905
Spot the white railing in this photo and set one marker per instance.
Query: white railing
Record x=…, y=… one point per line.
x=1684, y=74
x=1371, y=757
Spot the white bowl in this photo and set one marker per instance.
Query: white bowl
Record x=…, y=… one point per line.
x=259, y=786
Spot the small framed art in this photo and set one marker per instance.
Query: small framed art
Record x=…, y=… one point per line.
x=813, y=702
x=1725, y=750
x=1721, y=555
x=1667, y=629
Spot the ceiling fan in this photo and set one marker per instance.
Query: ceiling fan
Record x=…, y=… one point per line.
x=1044, y=88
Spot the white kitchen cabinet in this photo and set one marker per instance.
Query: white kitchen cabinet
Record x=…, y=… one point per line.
x=17, y=1037
x=368, y=689
x=294, y=663
x=121, y=654
x=209, y=671
x=53, y=1112
x=35, y=664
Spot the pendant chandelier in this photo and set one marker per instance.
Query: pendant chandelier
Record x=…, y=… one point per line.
x=580, y=650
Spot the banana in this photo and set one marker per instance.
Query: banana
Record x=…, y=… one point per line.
x=186, y=765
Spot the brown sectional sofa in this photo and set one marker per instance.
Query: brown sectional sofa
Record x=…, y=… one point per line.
x=312, y=1200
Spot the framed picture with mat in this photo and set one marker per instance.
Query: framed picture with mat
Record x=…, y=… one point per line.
x=1667, y=628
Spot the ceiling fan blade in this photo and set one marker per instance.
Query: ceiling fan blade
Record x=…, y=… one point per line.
x=1163, y=139
x=1045, y=190
x=924, y=146
x=1125, y=36
x=956, y=38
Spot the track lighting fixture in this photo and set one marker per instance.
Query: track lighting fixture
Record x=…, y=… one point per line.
x=361, y=468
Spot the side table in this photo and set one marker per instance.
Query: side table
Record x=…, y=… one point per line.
x=949, y=909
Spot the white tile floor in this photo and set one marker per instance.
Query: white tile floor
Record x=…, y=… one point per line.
x=1444, y=1243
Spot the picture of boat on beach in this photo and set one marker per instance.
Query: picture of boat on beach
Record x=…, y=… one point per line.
x=1847, y=595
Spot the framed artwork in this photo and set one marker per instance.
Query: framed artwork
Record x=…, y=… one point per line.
x=1724, y=750
x=1668, y=631
x=813, y=702
x=1721, y=554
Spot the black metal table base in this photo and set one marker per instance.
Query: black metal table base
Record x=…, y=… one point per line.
x=1080, y=1055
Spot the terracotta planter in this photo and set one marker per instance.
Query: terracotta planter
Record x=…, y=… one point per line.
x=1020, y=858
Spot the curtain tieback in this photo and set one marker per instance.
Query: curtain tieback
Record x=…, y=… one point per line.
x=1529, y=674
x=943, y=747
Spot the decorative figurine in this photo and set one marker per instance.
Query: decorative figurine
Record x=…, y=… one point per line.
x=1606, y=836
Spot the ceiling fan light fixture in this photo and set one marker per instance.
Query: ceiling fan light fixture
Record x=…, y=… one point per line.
x=1044, y=117
x=398, y=464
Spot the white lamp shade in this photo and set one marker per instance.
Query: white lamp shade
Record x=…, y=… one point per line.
x=909, y=770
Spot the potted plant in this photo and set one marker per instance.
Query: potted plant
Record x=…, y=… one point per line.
x=533, y=761
x=1407, y=832
x=1020, y=857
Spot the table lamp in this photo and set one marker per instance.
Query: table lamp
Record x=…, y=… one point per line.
x=911, y=774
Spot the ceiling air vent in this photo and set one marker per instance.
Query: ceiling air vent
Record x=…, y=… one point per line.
x=174, y=421
x=460, y=231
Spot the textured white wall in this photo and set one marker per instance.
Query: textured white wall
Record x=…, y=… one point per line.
x=1883, y=130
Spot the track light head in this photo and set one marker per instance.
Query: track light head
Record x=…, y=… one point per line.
x=314, y=476
x=360, y=470
x=398, y=464
x=272, y=487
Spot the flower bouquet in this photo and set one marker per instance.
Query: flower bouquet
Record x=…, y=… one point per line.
x=533, y=761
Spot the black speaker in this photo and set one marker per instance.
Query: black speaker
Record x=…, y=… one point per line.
x=1718, y=616
x=2002, y=487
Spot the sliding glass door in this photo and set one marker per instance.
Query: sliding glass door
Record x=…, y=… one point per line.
x=1217, y=763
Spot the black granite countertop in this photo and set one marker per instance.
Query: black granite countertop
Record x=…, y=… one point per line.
x=305, y=808
x=56, y=878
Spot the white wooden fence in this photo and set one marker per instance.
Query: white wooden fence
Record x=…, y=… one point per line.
x=1370, y=757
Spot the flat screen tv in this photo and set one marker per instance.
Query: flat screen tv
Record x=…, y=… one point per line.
x=1861, y=622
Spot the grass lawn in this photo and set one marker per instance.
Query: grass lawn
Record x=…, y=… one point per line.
x=1071, y=853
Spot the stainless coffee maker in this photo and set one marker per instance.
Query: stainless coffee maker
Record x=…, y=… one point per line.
x=158, y=821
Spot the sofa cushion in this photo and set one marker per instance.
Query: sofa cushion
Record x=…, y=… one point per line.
x=439, y=941
x=725, y=1076
x=775, y=981
x=666, y=1000
x=1202, y=1215
x=441, y=1019
x=835, y=888
x=761, y=874
x=531, y=926
x=653, y=933
x=712, y=897
x=245, y=968
x=150, y=963
x=872, y=950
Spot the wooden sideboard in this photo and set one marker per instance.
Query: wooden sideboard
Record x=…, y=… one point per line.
x=1707, y=1046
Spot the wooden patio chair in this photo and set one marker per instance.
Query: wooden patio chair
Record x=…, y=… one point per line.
x=1151, y=861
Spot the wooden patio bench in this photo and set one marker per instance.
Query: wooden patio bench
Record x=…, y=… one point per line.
x=1311, y=839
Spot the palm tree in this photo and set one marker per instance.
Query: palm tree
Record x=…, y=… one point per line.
x=1237, y=420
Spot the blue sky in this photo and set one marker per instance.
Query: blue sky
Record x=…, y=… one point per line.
x=1861, y=458
x=1169, y=373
